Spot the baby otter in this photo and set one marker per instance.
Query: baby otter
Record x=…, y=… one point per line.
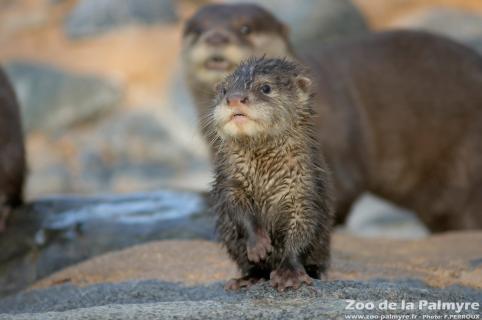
x=399, y=112
x=271, y=191
x=12, y=152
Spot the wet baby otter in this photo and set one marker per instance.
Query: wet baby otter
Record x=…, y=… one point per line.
x=399, y=112
x=271, y=191
x=12, y=152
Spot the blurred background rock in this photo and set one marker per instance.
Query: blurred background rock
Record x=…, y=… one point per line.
x=104, y=105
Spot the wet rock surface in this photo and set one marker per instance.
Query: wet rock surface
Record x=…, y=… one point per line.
x=50, y=234
x=93, y=17
x=155, y=299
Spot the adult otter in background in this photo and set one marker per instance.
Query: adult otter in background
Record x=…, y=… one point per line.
x=12, y=152
x=271, y=192
x=218, y=37
x=400, y=113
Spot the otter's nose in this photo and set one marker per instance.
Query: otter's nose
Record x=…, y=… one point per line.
x=236, y=100
x=217, y=39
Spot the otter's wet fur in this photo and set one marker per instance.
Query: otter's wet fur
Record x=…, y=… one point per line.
x=12, y=151
x=272, y=189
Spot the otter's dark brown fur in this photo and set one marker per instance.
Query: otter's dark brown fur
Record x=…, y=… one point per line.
x=400, y=115
x=12, y=151
x=271, y=191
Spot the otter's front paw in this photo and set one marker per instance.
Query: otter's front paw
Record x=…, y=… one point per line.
x=259, y=248
x=289, y=278
x=244, y=282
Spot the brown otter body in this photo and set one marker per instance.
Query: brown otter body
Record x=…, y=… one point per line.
x=401, y=116
x=271, y=191
x=400, y=113
x=12, y=154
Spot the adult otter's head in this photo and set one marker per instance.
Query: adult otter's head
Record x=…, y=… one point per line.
x=219, y=36
x=262, y=98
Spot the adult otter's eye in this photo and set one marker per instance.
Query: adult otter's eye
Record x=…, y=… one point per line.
x=266, y=89
x=223, y=91
x=245, y=30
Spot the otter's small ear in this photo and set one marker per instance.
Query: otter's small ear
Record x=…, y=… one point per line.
x=303, y=83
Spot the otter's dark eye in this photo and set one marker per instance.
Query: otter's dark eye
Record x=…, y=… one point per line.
x=223, y=91
x=266, y=89
x=245, y=30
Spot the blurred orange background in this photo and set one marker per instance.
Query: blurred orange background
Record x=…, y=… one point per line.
x=143, y=62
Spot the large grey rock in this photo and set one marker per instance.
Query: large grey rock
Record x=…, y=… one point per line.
x=460, y=25
x=52, y=99
x=161, y=300
x=134, y=148
x=92, y=17
x=314, y=21
x=372, y=216
x=127, y=151
x=50, y=234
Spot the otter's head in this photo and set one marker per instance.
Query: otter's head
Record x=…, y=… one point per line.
x=262, y=98
x=219, y=36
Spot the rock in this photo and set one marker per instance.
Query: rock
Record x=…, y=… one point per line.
x=93, y=17
x=313, y=21
x=155, y=299
x=460, y=25
x=127, y=151
x=53, y=233
x=201, y=262
x=180, y=101
x=134, y=151
x=53, y=99
x=451, y=261
x=372, y=216
x=440, y=261
x=50, y=234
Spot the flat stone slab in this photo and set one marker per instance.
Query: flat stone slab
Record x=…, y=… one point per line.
x=50, y=234
x=441, y=261
x=161, y=300
x=183, y=279
x=188, y=262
